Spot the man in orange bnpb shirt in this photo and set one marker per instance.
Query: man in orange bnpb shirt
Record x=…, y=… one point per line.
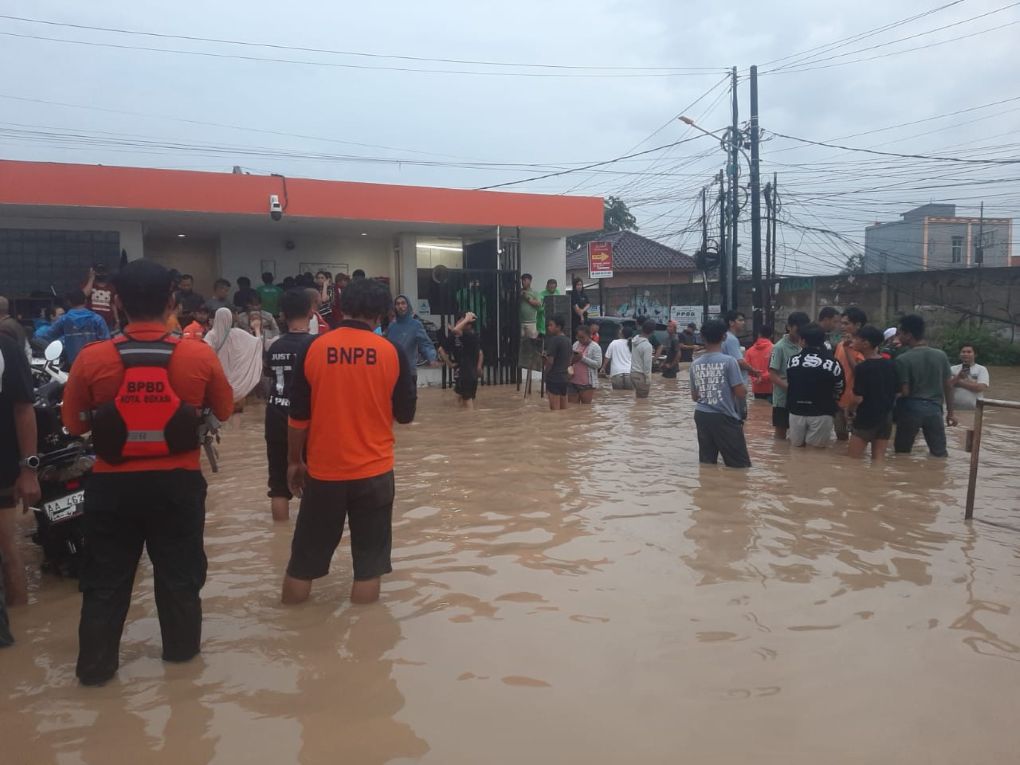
x=140, y=394
x=347, y=388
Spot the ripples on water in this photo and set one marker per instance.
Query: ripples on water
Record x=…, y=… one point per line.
x=573, y=587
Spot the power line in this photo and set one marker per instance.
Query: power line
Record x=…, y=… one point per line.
x=206, y=123
x=963, y=160
x=363, y=54
x=864, y=35
x=811, y=61
x=589, y=167
x=927, y=46
x=340, y=65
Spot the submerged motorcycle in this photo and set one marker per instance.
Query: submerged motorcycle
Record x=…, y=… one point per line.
x=64, y=461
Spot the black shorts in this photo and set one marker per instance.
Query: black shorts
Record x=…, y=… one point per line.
x=556, y=388
x=880, y=432
x=466, y=385
x=367, y=502
x=780, y=417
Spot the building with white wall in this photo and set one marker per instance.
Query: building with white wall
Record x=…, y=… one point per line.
x=57, y=219
x=933, y=236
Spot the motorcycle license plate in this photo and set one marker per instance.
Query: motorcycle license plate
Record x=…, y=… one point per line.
x=64, y=507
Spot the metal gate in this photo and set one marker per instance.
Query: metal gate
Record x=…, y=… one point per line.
x=493, y=294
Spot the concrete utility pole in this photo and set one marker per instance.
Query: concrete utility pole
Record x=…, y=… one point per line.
x=767, y=194
x=979, y=249
x=724, y=249
x=704, y=252
x=733, y=170
x=756, y=285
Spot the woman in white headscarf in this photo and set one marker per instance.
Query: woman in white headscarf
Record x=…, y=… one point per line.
x=240, y=353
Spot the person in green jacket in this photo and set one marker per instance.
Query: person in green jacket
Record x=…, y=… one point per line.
x=270, y=294
x=550, y=289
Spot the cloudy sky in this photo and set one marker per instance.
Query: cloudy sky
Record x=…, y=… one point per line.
x=473, y=94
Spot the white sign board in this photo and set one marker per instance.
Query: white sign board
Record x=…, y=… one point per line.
x=685, y=314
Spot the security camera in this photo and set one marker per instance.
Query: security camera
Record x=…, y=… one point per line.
x=275, y=208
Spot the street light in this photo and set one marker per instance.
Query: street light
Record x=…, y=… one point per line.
x=731, y=142
x=696, y=126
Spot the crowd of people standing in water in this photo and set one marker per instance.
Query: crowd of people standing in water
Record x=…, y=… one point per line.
x=837, y=377
x=147, y=491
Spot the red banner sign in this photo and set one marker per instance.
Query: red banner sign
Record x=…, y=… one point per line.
x=600, y=260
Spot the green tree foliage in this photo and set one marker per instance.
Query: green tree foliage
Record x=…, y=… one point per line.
x=854, y=265
x=616, y=216
x=992, y=349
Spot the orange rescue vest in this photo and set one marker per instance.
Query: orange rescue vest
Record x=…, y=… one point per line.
x=146, y=418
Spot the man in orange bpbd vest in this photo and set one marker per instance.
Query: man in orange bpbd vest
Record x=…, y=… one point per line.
x=140, y=394
x=359, y=382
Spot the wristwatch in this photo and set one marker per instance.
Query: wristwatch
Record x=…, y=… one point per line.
x=31, y=462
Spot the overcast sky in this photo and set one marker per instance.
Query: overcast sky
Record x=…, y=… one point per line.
x=549, y=123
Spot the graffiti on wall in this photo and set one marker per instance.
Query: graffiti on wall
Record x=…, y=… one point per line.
x=645, y=304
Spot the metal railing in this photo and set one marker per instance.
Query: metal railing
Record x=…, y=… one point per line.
x=975, y=447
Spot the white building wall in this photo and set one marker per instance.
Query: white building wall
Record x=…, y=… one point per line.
x=242, y=253
x=130, y=232
x=545, y=258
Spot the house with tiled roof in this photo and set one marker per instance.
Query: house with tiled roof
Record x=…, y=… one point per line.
x=637, y=260
x=647, y=275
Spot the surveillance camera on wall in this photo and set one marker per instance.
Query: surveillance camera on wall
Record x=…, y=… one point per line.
x=275, y=208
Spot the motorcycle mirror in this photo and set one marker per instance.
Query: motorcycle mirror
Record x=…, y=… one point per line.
x=53, y=350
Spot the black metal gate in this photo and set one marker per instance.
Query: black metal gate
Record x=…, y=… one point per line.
x=489, y=286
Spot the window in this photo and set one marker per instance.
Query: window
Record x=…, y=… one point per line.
x=957, y=249
x=40, y=260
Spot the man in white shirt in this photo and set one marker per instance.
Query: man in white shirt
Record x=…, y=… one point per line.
x=617, y=363
x=970, y=380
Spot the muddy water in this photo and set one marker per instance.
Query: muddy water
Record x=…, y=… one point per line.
x=574, y=588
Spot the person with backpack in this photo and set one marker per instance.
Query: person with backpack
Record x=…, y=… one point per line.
x=141, y=394
x=76, y=328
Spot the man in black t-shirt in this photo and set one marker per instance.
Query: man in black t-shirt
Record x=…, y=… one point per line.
x=815, y=384
x=18, y=466
x=280, y=360
x=463, y=350
x=557, y=355
x=875, y=389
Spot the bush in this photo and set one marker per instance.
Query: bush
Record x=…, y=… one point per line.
x=992, y=349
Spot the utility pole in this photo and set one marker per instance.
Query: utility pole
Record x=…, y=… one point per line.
x=724, y=249
x=767, y=194
x=704, y=252
x=979, y=249
x=733, y=170
x=775, y=223
x=756, y=287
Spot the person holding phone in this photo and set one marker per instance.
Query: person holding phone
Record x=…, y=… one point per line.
x=970, y=379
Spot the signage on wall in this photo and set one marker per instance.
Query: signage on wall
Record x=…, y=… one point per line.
x=686, y=314
x=600, y=260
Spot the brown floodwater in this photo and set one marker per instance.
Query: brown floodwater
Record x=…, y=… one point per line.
x=573, y=588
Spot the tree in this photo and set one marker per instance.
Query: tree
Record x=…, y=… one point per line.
x=854, y=264
x=616, y=216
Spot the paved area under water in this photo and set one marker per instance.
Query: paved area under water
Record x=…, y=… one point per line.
x=574, y=588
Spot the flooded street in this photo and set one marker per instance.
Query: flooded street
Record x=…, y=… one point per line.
x=573, y=588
